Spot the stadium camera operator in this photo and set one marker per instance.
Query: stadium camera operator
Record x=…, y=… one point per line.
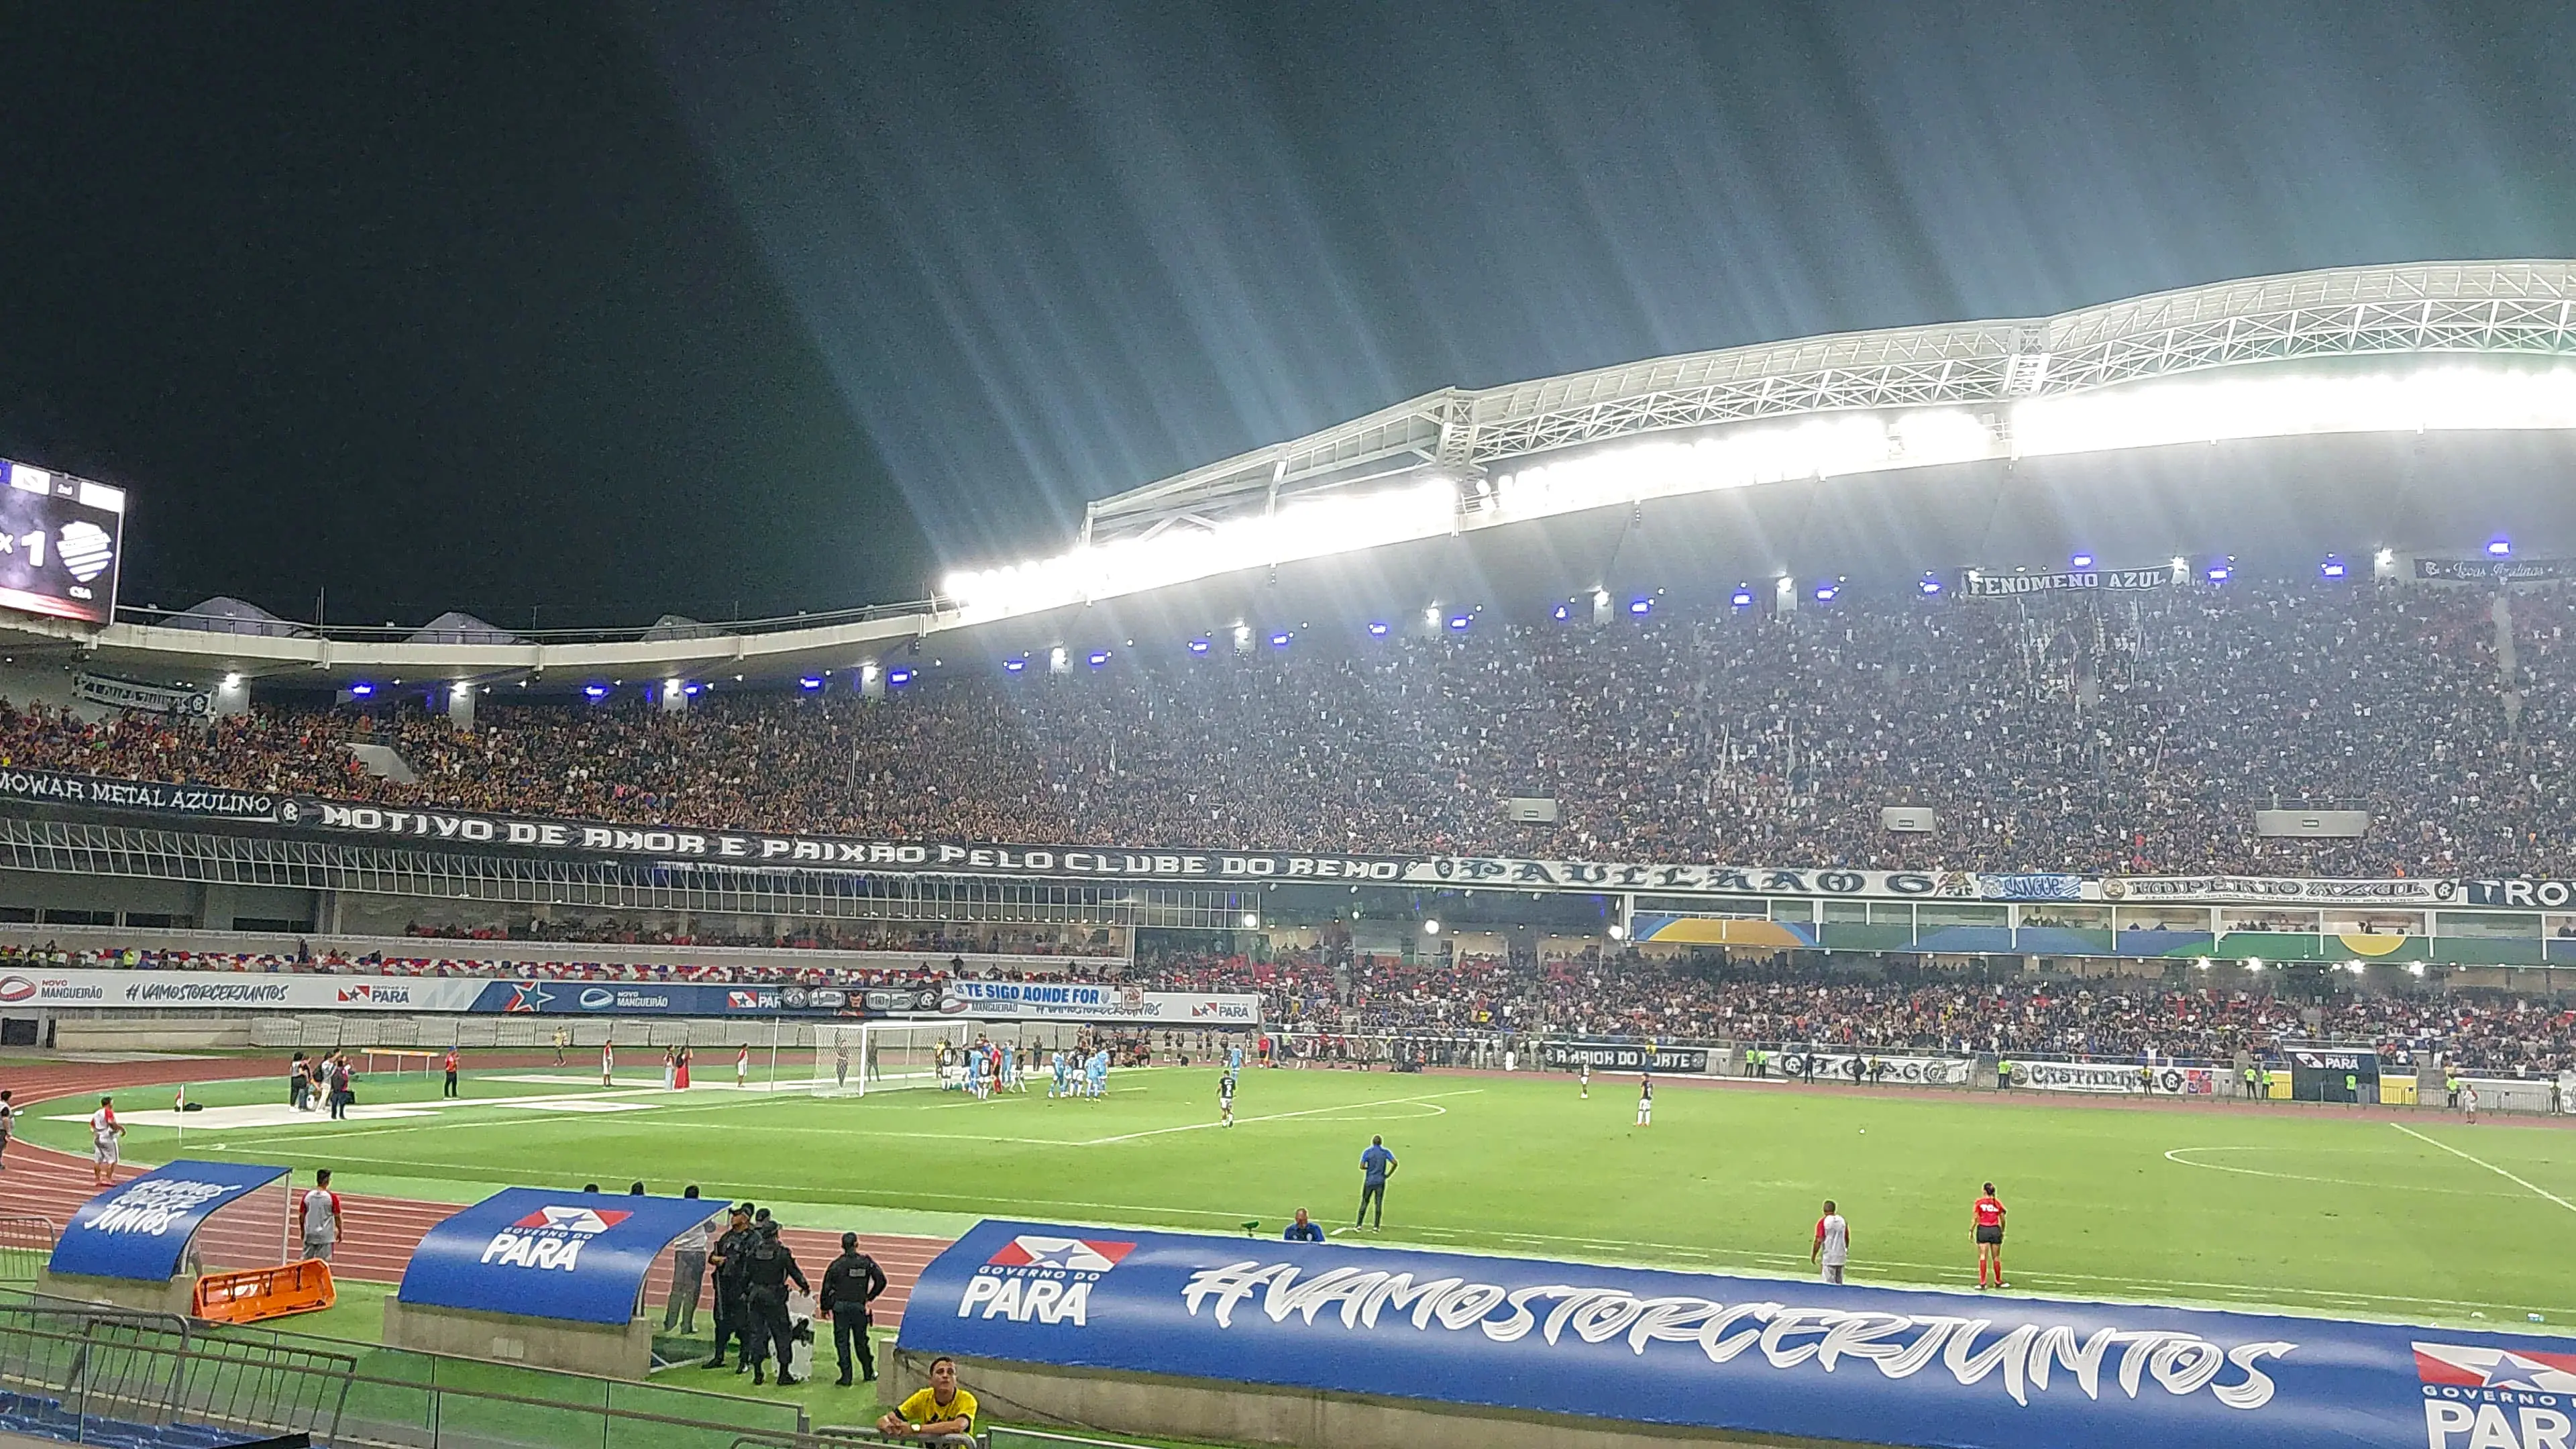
x=767, y=1270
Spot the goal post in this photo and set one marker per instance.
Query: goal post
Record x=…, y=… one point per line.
x=881, y=1056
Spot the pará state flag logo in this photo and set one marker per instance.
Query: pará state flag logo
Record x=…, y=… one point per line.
x=551, y=1237
x=1079, y=1255
x=2460, y=1366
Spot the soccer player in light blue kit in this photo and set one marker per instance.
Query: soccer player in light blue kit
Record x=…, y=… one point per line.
x=1098, y=1085
x=1234, y=1059
x=1063, y=1077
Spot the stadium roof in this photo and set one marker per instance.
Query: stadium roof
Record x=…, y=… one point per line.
x=2460, y=338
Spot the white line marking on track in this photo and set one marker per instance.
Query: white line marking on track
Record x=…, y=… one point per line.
x=2489, y=1166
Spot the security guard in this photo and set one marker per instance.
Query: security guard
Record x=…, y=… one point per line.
x=727, y=1260
x=767, y=1270
x=851, y=1282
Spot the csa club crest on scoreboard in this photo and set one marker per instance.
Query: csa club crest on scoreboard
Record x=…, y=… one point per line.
x=1041, y=1278
x=551, y=1237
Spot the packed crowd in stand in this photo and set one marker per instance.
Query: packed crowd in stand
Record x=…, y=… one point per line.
x=1628, y=994
x=2101, y=732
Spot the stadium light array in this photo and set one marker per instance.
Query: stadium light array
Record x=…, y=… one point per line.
x=2212, y=409
x=1299, y=530
x=2499, y=547
x=2201, y=408
x=1823, y=447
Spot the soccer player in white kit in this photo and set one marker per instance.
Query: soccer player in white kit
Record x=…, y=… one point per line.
x=1833, y=1244
x=104, y=1132
x=742, y=1066
x=1646, y=1100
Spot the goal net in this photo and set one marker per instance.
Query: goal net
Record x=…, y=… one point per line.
x=881, y=1056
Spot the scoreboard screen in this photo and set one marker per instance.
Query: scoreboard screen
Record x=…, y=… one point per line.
x=61, y=539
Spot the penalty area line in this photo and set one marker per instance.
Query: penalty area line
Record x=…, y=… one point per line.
x=2489, y=1166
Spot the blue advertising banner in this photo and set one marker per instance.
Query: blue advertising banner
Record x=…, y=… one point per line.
x=548, y=1253
x=1754, y=1355
x=141, y=1227
x=624, y=998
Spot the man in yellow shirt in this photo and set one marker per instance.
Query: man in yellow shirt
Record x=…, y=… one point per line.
x=943, y=1408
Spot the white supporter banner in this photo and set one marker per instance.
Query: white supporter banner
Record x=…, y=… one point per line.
x=1897, y=1071
x=2277, y=890
x=1092, y=1001
x=30, y=985
x=2116, y=1077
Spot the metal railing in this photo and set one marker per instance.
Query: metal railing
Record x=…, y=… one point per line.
x=26, y=1244
x=87, y=1372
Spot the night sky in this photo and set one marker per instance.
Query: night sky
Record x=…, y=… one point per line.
x=579, y=315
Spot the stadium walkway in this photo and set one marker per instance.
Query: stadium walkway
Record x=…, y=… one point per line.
x=382, y=1231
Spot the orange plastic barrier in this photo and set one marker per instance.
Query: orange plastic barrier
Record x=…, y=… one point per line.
x=258, y=1293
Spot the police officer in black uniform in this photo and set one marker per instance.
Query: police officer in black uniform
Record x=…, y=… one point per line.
x=852, y=1282
x=767, y=1270
x=727, y=1260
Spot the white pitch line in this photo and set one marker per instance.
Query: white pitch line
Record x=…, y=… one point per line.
x=2489, y=1166
x=1277, y=1117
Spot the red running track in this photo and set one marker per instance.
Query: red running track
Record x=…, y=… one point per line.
x=377, y=1240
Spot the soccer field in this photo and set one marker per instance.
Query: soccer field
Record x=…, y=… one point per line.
x=2302, y=1208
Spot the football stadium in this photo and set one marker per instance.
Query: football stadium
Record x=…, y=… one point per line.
x=1690, y=852
x=1972, y=884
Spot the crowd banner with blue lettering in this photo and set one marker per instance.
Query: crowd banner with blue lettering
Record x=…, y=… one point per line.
x=141, y=1227
x=1750, y=1355
x=1093, y=1001
x=549, y=1253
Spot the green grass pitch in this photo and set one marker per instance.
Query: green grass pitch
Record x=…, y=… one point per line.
x=2304, y=1208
